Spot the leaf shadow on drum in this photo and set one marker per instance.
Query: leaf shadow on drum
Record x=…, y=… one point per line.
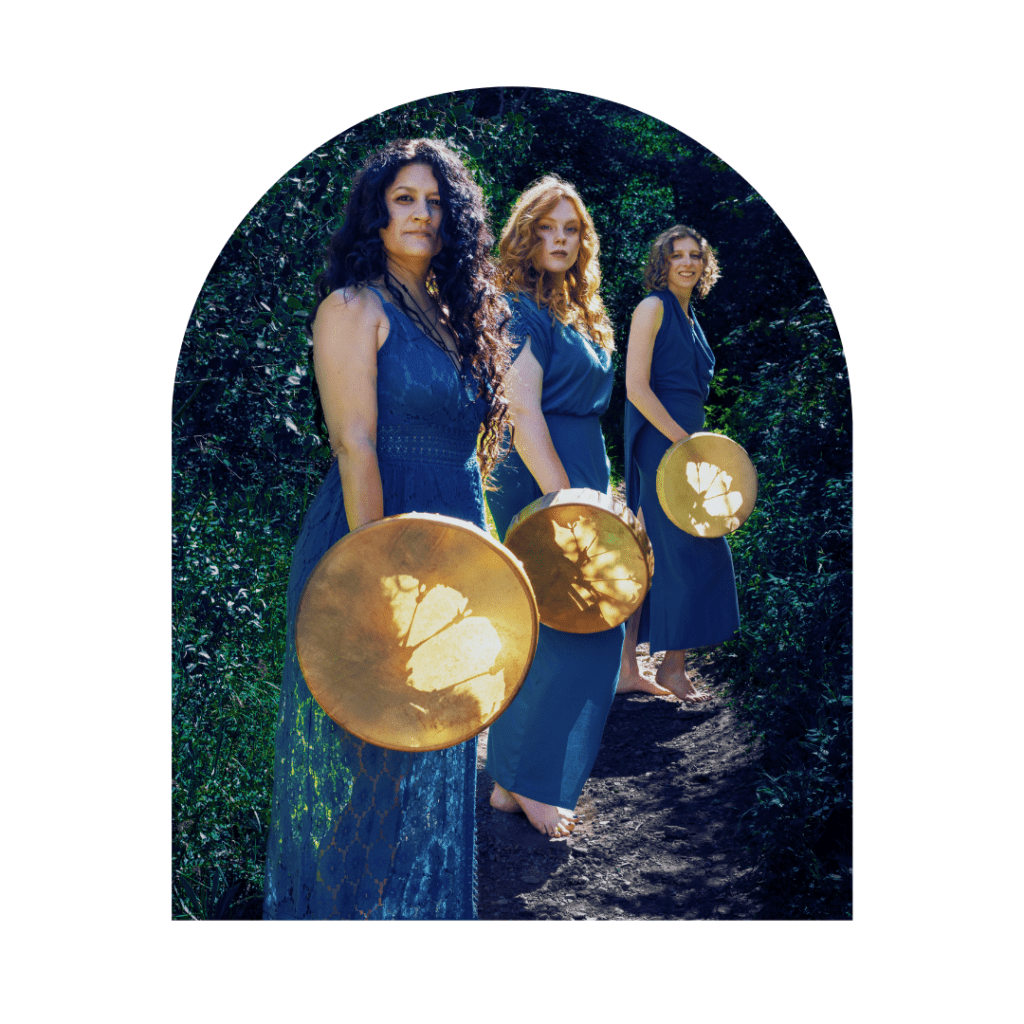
x=412, y=667
x=596, y=581
x=719, y=500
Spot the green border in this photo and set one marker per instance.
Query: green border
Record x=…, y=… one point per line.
x=188, y=295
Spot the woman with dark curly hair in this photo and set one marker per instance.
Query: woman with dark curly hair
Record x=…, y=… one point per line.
x=409, y=353
x=540, y=752
x=692, y=601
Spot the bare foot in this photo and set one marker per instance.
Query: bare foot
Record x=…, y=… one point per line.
x=503, y=800
x=683, y=688
x=631, y=679
x=636, y=682
x=546, y=818
x=675, y=678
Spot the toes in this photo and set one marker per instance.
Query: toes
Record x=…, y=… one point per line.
x=557, y=829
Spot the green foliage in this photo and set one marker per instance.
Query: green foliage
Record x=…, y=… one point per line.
x=790, y=672
x=247, y=461
x=230, y=566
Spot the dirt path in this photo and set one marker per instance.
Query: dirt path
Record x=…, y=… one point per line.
x=658, y=836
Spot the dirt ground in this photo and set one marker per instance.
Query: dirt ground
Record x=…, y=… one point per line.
x=658, y=838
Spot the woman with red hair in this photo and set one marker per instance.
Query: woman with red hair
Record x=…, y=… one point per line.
x=540, y=752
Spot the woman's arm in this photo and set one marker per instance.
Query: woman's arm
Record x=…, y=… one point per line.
x=346, y=335
x=523, y=387
x=642, y=332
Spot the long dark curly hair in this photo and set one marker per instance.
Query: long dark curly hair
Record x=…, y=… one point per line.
x=462, y=276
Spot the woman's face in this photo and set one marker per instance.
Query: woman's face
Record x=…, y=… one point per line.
x=414, y=205
x=559, y=231
x=685, y=264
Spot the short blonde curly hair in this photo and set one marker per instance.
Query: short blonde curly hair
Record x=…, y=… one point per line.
x=656, y=272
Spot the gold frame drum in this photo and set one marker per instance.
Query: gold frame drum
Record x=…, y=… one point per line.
x=587, y=556
x=416, y=631
x=707, y=485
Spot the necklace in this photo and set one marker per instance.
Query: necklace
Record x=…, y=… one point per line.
x=421, y=319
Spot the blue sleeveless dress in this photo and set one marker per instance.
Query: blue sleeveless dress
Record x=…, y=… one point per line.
x=692, y=601
x=545, y=744
x=358, y=831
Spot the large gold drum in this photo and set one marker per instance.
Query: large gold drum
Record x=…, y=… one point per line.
x=587, y=556
x=707, y=485
x=415, y=632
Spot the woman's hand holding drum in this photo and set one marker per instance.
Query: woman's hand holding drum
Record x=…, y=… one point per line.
x=669, y=366
x=541, y=751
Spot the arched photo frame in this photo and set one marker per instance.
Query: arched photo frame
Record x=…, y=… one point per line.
x=185, y=312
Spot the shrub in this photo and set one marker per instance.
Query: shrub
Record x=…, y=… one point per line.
x=790, y=672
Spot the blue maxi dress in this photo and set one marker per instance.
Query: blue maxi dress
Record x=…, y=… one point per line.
x=692, y=601
x=544, y=746
x=358, y=831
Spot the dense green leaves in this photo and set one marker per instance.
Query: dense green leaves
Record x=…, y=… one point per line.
x=790, y=672
x=246, y=461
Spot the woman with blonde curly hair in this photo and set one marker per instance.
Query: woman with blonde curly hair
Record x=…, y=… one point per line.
x=541, y=751
x=692, y=601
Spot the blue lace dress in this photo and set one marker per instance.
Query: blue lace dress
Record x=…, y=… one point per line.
x=545, y=744
x=692, y=601
x=358, y=831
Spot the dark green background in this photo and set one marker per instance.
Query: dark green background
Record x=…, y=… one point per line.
x=133, y=132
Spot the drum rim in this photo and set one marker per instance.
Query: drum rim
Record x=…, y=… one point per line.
x=659, y=485
x=467, y=527
x=638, y=535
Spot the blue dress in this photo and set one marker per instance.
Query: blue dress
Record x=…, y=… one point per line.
x=358, y=831
x=692, y=601
x=544, y=746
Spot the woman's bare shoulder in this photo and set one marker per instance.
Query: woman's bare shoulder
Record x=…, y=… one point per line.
x=650, y=306
x=350, y=309
x=353, y=302
x=647, y=316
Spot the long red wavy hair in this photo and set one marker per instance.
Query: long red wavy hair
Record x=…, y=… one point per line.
x=577, y=303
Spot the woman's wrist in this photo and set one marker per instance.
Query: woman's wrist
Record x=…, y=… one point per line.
x=550, y=476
